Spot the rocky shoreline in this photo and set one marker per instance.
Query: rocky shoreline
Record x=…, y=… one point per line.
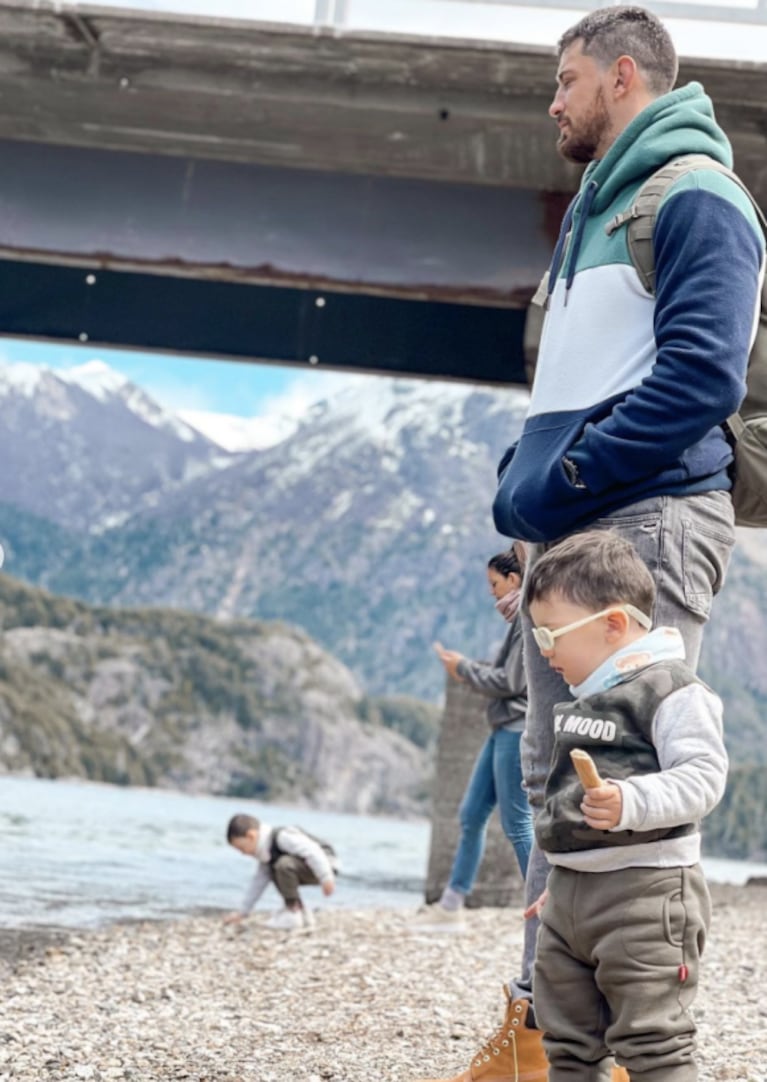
x=362, y=999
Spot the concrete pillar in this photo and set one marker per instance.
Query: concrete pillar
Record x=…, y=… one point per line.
x=462, y=732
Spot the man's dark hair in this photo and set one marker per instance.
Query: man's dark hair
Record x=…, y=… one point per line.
x=627, y=31
x=594, y=569
x=239, y=825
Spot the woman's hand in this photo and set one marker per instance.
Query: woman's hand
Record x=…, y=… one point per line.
x=450, y=659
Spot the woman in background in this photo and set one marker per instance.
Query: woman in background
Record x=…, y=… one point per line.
x=497, y=774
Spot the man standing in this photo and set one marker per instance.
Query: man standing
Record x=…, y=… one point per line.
x=631, y=389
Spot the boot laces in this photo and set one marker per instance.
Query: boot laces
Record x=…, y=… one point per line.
x=504, y=1037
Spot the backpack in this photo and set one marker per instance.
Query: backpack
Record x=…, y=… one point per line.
x=746, y=429
x=275, y=851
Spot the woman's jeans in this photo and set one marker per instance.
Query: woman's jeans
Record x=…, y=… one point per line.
x=496, y=779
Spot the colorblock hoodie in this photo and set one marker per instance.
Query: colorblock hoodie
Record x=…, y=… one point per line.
x=632, y=389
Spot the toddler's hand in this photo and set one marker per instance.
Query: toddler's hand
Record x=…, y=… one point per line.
x=328, y=887
x=602, y=807
x=534, y=910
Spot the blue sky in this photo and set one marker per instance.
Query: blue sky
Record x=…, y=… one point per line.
x=239, y=405
x=185, y=383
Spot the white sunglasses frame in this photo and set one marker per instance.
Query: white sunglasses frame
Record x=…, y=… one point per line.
x=545, y=638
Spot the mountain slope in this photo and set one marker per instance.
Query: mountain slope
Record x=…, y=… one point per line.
x=158, y=697
x=369, y=527
x=85, y=448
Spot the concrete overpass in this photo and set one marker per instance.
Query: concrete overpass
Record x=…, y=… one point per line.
x=295, y=194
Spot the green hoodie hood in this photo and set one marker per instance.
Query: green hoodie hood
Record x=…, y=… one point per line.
x=681, y=122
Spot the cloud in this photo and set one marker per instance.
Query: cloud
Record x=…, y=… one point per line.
x=297, y=398
x=278, y=415
x=175, y=393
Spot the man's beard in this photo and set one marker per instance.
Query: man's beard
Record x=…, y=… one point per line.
x=580, y=144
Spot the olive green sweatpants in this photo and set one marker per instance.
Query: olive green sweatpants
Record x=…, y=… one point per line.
x=616, y=970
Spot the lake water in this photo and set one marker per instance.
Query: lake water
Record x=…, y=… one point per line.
x=78, y=855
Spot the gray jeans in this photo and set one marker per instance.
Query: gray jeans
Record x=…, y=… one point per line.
x=686, y=542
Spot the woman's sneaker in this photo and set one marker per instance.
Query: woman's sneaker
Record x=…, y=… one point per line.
x=435, y=918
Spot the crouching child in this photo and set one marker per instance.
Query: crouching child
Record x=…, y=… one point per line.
x=287, y=857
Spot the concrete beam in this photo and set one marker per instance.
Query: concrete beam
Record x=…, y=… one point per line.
x=306, y=98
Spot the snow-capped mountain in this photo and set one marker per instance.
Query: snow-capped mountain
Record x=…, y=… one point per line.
x=85, y=448
x=369, y=525
x=236, y=434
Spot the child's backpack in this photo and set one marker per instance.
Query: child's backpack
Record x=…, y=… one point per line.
x=276, y=852
x=747, y=428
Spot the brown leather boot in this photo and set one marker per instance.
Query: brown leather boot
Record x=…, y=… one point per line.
x=513, y=1054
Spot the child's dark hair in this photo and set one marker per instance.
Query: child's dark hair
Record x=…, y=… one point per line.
x=593, y=569
x=505, y=563
x=239, y=825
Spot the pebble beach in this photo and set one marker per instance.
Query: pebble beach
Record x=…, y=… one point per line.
x=360, y=999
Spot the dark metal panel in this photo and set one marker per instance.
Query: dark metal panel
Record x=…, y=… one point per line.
x=247, y=222
x=267, y=323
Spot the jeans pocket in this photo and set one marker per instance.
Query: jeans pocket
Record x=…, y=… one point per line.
x=706, y=552
x=642, y=529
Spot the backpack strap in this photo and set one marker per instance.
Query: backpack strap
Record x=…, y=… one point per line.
x=640, y=216
x=274, y=850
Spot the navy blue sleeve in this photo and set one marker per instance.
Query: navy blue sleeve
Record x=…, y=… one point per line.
x=707, y=259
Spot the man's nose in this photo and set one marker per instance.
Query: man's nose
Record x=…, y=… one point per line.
x=556, y=106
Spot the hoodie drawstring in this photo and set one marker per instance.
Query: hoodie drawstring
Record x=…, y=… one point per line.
x=583, y=203
x=556, y=259
x=575, y=244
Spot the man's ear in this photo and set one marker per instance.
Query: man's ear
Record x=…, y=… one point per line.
x=625, y=76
